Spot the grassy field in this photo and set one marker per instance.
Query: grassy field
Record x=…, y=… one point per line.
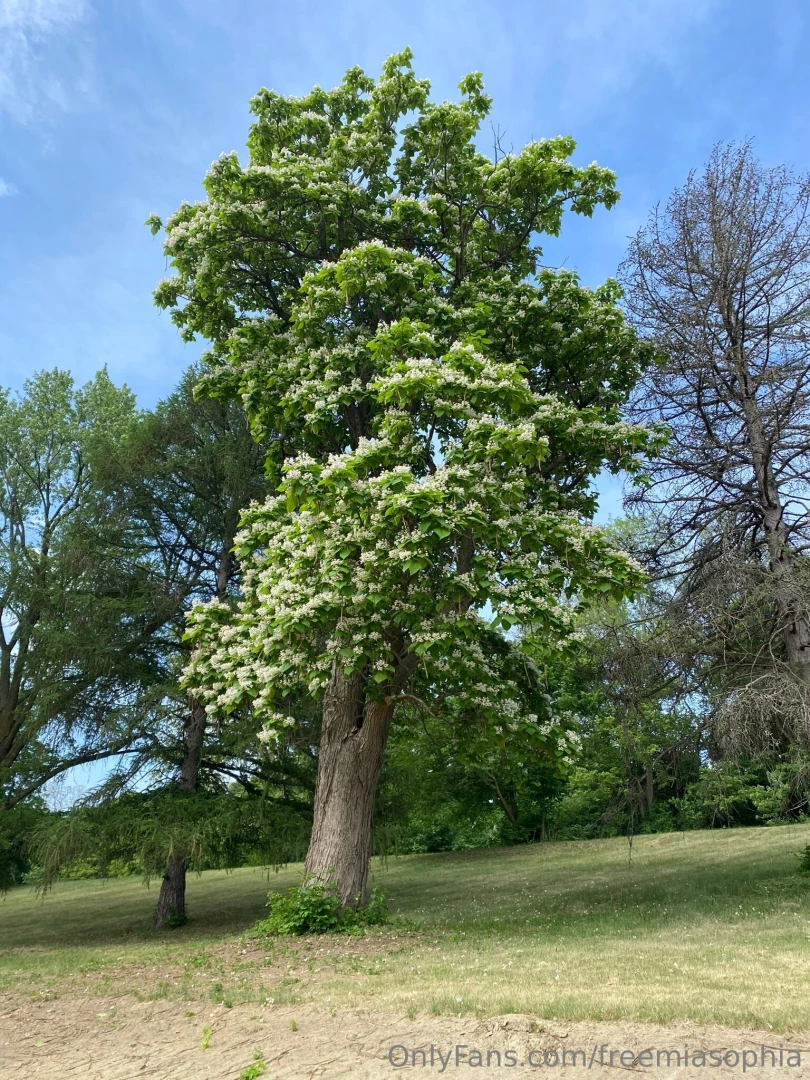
x=712, y=927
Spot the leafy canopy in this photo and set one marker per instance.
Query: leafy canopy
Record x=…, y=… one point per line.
x=436, y=405
x=76, y=608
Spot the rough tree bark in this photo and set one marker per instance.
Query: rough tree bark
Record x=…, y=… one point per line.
x=353, y=740
x=354, y=735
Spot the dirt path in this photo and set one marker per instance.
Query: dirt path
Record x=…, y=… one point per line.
x=91, y=1038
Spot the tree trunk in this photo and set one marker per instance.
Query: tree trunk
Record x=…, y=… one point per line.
x=171, y=905
x=509, y=806
x=649, y=787
x=795, y=622
x=793, y=613
x=172, y=899
x=353, y=739
x=792, y=606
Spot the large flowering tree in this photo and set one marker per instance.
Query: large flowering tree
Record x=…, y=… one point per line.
x=437, y=409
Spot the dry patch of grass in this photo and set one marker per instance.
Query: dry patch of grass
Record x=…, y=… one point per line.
x=712, y=927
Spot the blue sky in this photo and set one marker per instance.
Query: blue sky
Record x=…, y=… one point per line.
x=112, y=109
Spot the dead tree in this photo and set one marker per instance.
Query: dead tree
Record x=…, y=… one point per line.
x=719, y=279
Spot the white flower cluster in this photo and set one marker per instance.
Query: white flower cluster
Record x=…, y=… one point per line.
x=398, y=543
x=430, y=432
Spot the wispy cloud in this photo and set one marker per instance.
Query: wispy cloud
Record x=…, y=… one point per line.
x=43, y=66
x=6, y=188
x=609, y=48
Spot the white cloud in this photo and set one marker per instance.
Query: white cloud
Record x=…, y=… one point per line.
x=43, y=66
x=6, y=188
x=40, y=16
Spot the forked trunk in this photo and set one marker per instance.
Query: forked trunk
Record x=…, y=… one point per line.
x=353, y=739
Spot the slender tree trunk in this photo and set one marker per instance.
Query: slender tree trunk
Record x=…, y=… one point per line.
x=172, y=898
x=649, y=787
x=793, y=613
x=171, y=905
x=353, y=739
x=509, y=807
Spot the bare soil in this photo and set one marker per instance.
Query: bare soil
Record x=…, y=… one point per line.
x=85, y=1037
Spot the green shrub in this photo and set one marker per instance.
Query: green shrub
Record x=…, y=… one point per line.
x=720, y=798
x=804, y=861
x=309, y=909
x=375, y=913
x=17, y=826
x=34, y=876
x=660, y=819
x=118, y=868
x=316, y=909
x=80, y=870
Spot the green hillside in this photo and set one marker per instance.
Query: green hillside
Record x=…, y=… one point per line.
x=707, y=926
